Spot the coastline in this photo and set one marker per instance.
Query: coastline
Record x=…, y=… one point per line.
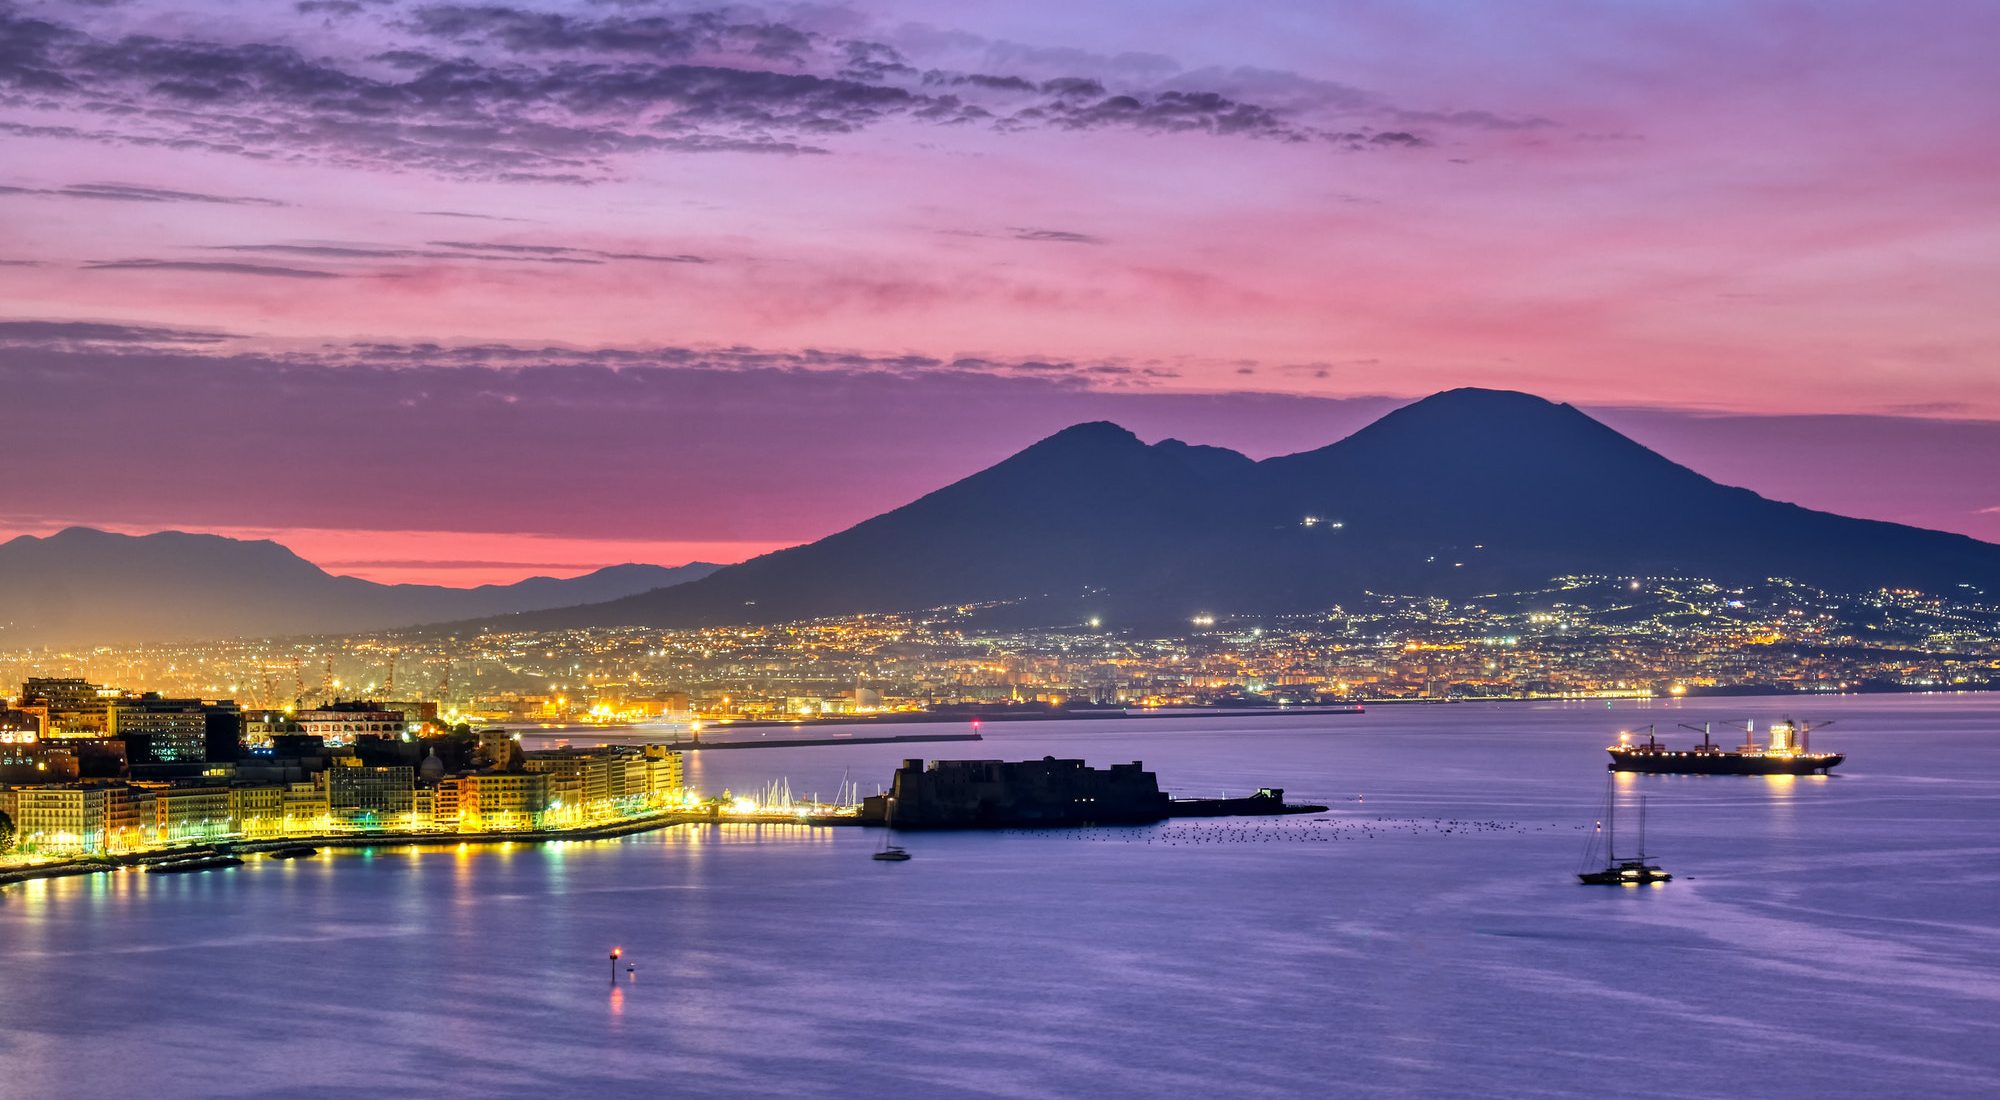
x=608, y=831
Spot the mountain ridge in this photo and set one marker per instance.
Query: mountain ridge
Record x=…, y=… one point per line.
x=1466, y=491
x=83, y=585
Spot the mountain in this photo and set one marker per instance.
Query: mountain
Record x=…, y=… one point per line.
x=83, y=586
x=1464, y=492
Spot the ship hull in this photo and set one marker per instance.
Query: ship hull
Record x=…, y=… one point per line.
x=1723, y=763
x=1617, y=877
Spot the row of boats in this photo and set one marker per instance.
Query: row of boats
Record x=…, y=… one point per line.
x=1788, y=751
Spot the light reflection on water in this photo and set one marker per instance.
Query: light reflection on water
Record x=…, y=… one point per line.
x=1822, y=937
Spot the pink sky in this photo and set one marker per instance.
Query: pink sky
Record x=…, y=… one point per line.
x=1747, y=208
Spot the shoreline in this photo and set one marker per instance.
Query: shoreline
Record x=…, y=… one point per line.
x=1359, y=709
x=139, y=860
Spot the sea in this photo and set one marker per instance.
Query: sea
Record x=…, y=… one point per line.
x=1822, y=937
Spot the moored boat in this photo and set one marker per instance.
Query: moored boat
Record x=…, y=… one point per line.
x=1630, y=871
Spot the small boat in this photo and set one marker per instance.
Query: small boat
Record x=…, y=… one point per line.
x=296, y=851
x=187, y=864
x=1632, y=871
x=891, y=854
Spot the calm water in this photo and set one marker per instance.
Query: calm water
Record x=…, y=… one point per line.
x=1825, y=937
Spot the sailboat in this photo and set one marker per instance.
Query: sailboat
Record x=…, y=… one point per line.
x=1633, y=871
x=889, y=853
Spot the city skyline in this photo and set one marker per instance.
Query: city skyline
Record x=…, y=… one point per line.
x=821, y=259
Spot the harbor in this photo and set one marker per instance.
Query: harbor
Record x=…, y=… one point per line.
x=1438, y=886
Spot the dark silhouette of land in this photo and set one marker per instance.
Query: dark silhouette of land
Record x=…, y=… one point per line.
x=1466, y=492
x=83, y=586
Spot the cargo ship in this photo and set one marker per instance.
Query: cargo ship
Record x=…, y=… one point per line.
x=1788, y=753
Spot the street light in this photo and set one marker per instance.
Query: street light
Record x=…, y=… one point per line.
x=615, y=952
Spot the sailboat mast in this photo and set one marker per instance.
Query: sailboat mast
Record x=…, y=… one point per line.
x=1642, y=826
x=1611, y=826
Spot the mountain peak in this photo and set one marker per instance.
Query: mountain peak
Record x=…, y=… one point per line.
x=1091, y=433
x=1466, y=491
x=1472, y=403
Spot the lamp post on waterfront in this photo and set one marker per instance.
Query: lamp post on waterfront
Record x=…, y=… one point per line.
x=615, y=952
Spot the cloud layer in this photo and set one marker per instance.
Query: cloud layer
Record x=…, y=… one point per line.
x=508, y=93
x=745, y=273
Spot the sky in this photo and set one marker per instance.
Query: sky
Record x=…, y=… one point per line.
x=461, y=293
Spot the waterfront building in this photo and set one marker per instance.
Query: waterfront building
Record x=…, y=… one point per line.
x=190, y=815
x=590, y=785
x=489, y=801
x=68, y=820
x=367, y=798
x=307, y=811
x=258, y=810
x=130, y=822
x=665, y=773
x=445, y=803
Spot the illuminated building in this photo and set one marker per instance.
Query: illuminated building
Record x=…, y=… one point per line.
x=129, y=819
x=445, y=803
x=492, y=801
x=258, y=811
x=362, y=797
x=306, y=807
x=67, y=820
x=342, y=723
x=261, y=728
x=665, y=778
x=71, y=705
x=414, y=711
x=589, y=785
x=190, y=815
x=176, y=731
